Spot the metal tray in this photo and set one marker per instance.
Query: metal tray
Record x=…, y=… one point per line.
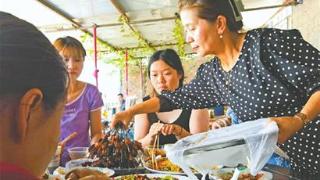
x=215, y=146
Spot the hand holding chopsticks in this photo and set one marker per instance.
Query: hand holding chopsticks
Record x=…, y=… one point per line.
x=154, y=132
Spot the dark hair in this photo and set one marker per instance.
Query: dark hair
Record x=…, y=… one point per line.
x=120, y=94
x=69, y=43
x=211, y=9
x=170, y=57
x=28, y=60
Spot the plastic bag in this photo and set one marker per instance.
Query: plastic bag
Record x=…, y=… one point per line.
x=251, y=143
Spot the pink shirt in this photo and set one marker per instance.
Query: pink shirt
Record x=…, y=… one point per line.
x=14, y=172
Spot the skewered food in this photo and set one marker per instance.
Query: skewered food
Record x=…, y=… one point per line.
x=115, y=150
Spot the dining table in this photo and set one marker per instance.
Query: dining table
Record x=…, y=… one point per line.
x=278, y=173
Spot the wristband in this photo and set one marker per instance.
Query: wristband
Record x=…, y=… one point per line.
x=302, y=117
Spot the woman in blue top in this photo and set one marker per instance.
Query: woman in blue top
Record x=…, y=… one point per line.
x=261, y=73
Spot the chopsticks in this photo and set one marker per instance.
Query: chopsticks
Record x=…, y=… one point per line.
x=156, y=145
x=153, y=153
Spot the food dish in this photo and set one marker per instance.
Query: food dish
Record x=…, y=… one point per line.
x=84, y=161
x=227, y=173
x=161, y=163
x=166, y=167
x=115, y=150
x=147, y=165
x=152, y=176
x=78, y=152
x=60, y=171
x=107, y=171
x=78, y=164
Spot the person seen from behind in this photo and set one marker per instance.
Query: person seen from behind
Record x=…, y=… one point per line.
x=33, y=84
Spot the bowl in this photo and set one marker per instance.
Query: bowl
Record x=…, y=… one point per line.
x=78, y=152
x=76, y=163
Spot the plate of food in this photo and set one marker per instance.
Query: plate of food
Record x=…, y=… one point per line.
x=151, y=177
x=155, y=160
x=61, y=171
x=227, y=173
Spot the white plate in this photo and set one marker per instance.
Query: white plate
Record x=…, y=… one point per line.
x=158, y=176
x=160, y=172
x=78, y=164
x=107, y=171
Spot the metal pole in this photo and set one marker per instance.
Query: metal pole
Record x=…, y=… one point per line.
x=127, y=79
x=95, y=53
x=141, y=79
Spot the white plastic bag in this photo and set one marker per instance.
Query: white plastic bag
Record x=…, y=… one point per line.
x=251, y=143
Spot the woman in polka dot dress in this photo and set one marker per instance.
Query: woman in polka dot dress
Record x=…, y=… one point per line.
x=261, y=73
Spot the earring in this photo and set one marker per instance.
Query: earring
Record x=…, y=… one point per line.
x=220, y=36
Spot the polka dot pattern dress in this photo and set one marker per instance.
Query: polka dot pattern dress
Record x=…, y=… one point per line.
x=275, y=74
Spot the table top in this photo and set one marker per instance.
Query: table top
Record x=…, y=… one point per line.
x=277, y=172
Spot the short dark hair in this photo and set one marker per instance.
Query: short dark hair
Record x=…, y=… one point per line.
x=120, y=94
x=28, y=60
x=211, y=9
x=170, y=57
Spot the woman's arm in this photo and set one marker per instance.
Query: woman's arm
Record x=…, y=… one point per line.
x=288, y=126
x=124, y=117
x=142, y=126
x=95, y=125
x=312, y=108
x=199, y=121
x=199, y=93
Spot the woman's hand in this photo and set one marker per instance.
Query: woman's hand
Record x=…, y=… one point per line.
x=68, y=138
x=155, y=129
x=223, y=122
x=123, y=117
x=169, y=129
x=63, y=143
x=288, y=126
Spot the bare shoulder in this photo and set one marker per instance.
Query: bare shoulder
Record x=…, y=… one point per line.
x=141, y=117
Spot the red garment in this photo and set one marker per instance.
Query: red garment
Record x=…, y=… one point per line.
x=14, y=172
